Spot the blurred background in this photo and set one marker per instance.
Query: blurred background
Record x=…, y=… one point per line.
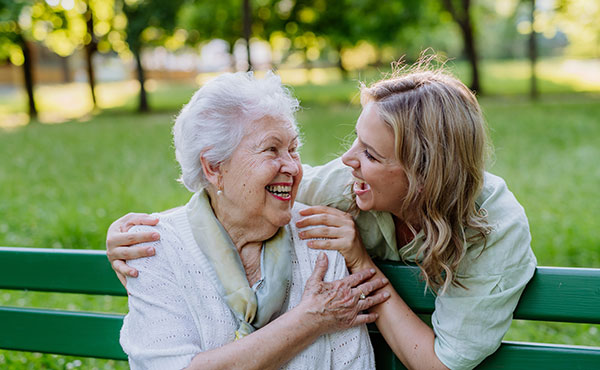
x=89, y=89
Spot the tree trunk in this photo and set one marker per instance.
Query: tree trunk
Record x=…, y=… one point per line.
x=90, y=49
x=340, y=65
x=28, y=76
x=533, y=89
x=143, y=107
x=66, y=70
x=462, y=16
x=471, y=52
x=247, y=30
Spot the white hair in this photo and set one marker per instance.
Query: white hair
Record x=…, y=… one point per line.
x=215, y=120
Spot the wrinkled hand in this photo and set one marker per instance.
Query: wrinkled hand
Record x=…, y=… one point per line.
x=120, y=245
x=338, y=305
x=333, y=230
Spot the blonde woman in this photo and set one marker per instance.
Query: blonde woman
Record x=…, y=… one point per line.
x=417, y=176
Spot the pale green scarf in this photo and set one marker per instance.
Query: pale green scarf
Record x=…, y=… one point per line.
x=252, y=307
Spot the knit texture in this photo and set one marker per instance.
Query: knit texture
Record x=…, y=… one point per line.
x=175, y=312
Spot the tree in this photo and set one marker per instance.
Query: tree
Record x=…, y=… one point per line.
x=533, y=90
x=461, y=13
x=228, y=20
x=159, y=16
x=90, y=49
x=15, y=44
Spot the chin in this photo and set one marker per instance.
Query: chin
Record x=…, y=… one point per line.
x=281, y=219
x=363, y=206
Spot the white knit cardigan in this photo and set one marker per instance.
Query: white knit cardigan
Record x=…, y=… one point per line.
x=175, y=312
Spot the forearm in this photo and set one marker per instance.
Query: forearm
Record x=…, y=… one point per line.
x=407, y=335
x=267, y=348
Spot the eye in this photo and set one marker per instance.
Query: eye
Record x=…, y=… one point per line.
x=369, y=156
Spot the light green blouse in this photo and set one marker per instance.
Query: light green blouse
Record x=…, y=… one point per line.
x=468, y=324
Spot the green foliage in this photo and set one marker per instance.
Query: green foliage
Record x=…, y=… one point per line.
x=10, y=30
x=160, y=15
x=214, y=19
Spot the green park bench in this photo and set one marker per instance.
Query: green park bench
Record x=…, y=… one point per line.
x=554, y=294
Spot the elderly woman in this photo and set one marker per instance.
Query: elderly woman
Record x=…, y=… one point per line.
x=226, y=288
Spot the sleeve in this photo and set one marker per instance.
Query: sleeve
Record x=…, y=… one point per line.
x=158, y=332
x=469, y=323
x=351, y=348
x=326, y=185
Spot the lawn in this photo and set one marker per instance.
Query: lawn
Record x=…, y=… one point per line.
x=63, y=184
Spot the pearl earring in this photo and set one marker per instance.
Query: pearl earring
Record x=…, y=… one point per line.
x=219, y=192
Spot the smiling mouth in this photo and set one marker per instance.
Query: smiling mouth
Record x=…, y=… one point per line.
x=282, y=192
x=360, y=186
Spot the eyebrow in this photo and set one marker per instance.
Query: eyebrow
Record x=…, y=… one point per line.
x=277, y=139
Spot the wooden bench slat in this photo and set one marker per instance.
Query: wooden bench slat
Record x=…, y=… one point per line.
x=52, y=331
x=58, y=270
x=61, y=332
x=554, y=293
x=511, y=355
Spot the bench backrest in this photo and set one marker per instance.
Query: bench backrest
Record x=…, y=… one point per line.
x=554, y=294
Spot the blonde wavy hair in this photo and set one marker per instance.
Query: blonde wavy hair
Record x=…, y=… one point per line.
x=441, y=140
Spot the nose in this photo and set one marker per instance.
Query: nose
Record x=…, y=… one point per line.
x=349, y=158
x=290, y=165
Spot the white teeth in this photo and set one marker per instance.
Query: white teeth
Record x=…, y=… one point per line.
x=279, y=188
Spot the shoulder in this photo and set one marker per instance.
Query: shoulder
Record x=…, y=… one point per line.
x=172, y=228
x=496, y=196
x=508, y=244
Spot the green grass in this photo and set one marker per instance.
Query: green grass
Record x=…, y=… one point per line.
x=62, y=185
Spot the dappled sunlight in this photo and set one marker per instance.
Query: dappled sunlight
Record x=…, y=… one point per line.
x=115, y=94
x=67, y=102
x=295, y=76
x=581, y=75
x=13, y=120
x=59, y=103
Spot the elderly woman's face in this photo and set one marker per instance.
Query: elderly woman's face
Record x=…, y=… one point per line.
x=262, y=176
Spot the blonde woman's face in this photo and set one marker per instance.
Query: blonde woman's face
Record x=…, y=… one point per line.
x=380, y=182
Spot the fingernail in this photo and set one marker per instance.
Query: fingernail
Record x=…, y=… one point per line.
x=386, y=294
x=384, y=281
x=133, y=273
x=372, y=271
x=321, y=255
x=150, y=250
x=155, y=236
x=310, y=243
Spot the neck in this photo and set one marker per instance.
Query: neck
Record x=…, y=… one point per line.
x=404, y=234
x=247, y=234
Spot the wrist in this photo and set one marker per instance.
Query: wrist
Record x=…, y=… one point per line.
x=306, y=320
x=360, y=262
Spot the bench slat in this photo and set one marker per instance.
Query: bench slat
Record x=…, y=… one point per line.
x=511, y=355
x=62, y=332
x=58, y=270
x=554, y=293
x=52, y=331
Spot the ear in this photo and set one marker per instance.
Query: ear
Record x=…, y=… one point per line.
x=211, y=172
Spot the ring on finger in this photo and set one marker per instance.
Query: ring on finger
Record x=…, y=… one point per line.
x=362, y=296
